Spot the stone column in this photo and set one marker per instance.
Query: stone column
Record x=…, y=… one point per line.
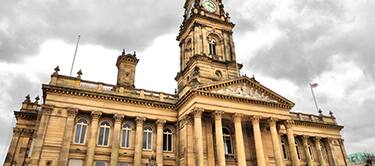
x=276, y=142
x=90, y=154
x=159, y=142
x=116, y=139
x=39, y=138
x=258, y=141
x=219, y=139
x=292, y=143
x=68, y=133
x=318, y=148
x=342, y=147
x=198, y=137
x=307, y=151
x=210, y=142
x=138, y=141
x=239, y=139
x=332, y=161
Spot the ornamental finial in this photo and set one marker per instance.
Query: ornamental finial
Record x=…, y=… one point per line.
x=123, y=51
x=79, y=74
x=57, y=69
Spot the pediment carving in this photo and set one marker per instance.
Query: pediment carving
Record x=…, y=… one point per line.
x=246, y=91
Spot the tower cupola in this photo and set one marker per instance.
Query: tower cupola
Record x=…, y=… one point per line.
x=126, y=65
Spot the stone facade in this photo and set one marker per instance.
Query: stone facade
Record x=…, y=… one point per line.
x=216, y=117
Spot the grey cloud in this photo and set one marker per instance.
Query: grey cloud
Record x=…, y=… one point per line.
x=303, y=53
x=24, y=25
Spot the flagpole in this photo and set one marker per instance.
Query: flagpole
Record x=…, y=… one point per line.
x=75, y=53
x=312, y=92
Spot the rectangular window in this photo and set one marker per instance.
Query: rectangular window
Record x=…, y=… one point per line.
x=101, y=133
x=75, y=162
x=82, y=140
x=78, y=133
x=106, y=136
x=100, y=163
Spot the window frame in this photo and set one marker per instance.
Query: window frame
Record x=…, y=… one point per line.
x=75, y=131
x=170, y=133
x=147, y=130
x=229, y=137
x=104, y=133
x=126, y=127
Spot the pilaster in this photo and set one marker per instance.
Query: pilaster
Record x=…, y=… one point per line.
x=116, y=139
x=138, y=141
x=90, y=154
x=69, y=128
x=159, y=141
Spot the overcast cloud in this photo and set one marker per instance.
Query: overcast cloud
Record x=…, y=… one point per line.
x=285, y=44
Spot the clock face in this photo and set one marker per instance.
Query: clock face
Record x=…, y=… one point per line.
x=209, y=5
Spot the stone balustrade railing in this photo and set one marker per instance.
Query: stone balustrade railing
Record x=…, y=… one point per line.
x=313, y=118
x=72, y=82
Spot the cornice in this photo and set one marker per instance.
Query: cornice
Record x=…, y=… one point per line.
x=26, y=115
x=186, y=24
x=315, y=124
x=102, y=96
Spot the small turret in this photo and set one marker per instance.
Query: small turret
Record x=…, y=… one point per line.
x=126, y=64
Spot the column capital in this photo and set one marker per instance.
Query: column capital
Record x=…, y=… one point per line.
x=47, y=109
x=218, y=114
x=118, y=118
x=140, y=120
x=161, y=122
x=289, y=124
x=72, y=112
x=317, y=138
x=272, y=121
x=255, y=118
x=237, y=116
x=96, y=115
x=198, y=112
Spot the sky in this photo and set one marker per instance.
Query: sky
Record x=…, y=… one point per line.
x=285, y=44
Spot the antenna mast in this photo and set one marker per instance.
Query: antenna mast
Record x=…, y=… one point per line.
x=75, y=53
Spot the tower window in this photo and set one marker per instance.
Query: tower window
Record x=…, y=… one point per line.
x=212, y=47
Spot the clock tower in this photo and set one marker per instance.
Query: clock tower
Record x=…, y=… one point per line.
x=207, y=49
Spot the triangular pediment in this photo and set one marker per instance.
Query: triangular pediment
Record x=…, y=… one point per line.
x=246, y=88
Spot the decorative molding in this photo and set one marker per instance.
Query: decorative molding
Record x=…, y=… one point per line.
x=140, y=120
x=118, y=118
x=96, y=115
x=72, y=112
x=245, y=91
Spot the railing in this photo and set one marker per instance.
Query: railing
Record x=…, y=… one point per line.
x=313, y=118
x=73, y=82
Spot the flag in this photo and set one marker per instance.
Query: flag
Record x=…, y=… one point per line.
x=314, y=85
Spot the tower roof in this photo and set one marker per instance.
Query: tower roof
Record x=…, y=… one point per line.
x=130, y=58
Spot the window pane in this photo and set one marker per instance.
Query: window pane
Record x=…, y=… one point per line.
x=100, y=163
x=78, y=131
x=123, y=138
x=170, y=142
x=149, y=140
x=101, y=133
x=144, y=140
x=165, y=142
x=106, y=136
x=127, y=139
x=83, y=134
x=74, y=162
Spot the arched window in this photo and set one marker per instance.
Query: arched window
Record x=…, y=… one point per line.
x=311, y=150
x=80, y=131
x=147, y=138
x=125, y=136
x=284, y=148
x=104, y=131
x=212, y=47
x=299, y=152
x=167, y=140
x=227, y=141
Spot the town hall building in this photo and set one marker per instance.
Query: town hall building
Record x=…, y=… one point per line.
x=216, y=117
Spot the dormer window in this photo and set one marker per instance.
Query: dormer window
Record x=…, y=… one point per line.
x=212, y=47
